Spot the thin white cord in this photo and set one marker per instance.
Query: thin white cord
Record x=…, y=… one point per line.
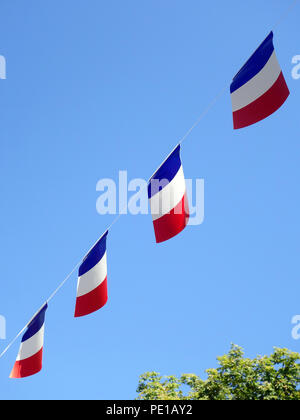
x=13, y=342
x=18, y=335
x=54, y=293
x=204, y=113
x=211, y=104
x=285, y=14
x=207, y=109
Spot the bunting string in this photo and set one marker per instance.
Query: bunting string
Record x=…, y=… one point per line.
x=285, y=14
x=197, y=122
x=186, y=135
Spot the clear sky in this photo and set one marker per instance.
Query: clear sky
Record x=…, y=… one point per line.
x=94, y=87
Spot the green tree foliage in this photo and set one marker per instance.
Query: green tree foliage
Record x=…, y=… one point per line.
x=275, y=377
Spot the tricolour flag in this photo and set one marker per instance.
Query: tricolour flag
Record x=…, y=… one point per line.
x=30, y=357
x=92, y=280
x=168, y=198
x=259, y=89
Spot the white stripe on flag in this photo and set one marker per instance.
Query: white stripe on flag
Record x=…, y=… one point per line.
x=168, y=198
x=93, y=278
x=32, y=346
x=258, y=85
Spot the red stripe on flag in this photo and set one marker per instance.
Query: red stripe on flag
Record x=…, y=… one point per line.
x=264, y=106
x=93, y=301
x=28, y=367
x=171, y=224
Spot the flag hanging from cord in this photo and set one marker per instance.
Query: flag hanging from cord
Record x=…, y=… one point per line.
x=168, y=198
x=30, y=358
x=92, y=280
x=259, y=89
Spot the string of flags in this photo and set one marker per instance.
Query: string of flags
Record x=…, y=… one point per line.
x=257, y=91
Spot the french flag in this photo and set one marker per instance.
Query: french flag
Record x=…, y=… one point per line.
x=259, y=89
x=92, y=280
x=168, y=198
x=30, y=357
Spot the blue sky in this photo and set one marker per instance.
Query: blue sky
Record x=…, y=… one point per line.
x=101, y=86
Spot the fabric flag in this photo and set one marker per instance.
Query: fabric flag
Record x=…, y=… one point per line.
x=259, y=89
x=168, y=198
x=92, y=280
x=30, y=357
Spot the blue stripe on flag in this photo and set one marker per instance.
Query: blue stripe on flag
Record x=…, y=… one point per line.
x=167, y=171
x=36, y=324
x=255, y=64
x=94, y=256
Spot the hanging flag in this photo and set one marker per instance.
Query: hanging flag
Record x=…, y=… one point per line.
x=168, y=198
x=259, y=89
x=30, y=357
x=92, y=280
